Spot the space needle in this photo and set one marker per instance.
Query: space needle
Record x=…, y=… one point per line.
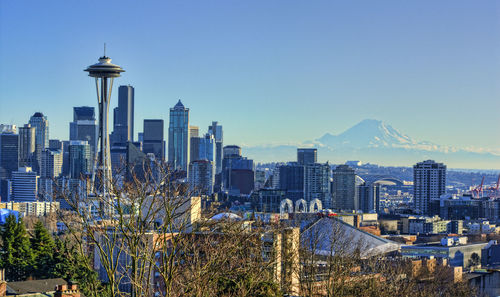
x=104, y=72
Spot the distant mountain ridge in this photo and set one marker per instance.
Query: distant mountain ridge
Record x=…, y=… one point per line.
x=377, y=142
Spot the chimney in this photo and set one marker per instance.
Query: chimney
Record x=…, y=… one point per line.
x=69, y=290
x=3, y=283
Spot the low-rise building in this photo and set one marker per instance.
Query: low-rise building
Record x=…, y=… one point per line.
x=464, y=255
x=35, y=208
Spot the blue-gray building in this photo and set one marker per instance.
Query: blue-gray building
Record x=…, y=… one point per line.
x=152, y=138
x=123, y=116
x=41, y=125
x=178, y=137
x=84, y=126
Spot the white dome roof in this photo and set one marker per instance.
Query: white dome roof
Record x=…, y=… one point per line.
x=226, y=215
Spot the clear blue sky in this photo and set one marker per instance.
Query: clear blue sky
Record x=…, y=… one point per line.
x=270, y=71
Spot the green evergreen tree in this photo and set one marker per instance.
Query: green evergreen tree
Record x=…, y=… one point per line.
x=71, y=265
x=17, y=256
x=43, y=247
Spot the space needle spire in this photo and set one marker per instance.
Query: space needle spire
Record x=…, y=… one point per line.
x=104, y=72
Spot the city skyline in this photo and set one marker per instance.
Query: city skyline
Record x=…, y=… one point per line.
x=304, y=64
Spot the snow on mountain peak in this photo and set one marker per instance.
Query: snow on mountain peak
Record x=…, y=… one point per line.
x=369, y=133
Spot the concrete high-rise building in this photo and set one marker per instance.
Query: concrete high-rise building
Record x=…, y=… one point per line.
x=201, y=177
x=80, y=161
x=429, y=183
x=178, y=137
x=41, y=125
x=153, y=141
x=344, y=188
x=52, y=161
x=24, y=183
x=9, y=154
x=26, y=145
x=307, y=156
x=84, y=127
x=216, y=130
x=123, y=116
x=317, y=183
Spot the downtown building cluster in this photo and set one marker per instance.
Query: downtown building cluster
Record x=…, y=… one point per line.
x=32, y=164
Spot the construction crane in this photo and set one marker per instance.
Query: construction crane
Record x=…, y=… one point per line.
x=477, y=191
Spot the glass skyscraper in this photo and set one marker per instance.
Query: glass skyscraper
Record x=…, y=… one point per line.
x=216, y=130
x=84, y=127
x=26, y=145
x=80, y=161
x=41, y=124
x=178, y=137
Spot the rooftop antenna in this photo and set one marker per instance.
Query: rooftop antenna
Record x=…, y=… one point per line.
x=105, y=49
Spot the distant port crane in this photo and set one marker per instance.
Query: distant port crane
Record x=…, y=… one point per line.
x=493, y=191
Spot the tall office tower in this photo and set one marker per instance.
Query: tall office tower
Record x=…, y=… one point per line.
x=52, y=160
x=429, y=183
x=80, y=161
x=84, y=127
x=118, y=157
x=194, y=131
x=123, y=116
x=368, y=197
x=344, y=188
x=291, y=180
x=153, y=142
x=238, y=173
x=194, y=148
x=8, y=128
x=41, y=125
x=203, y=148
x=307, y=156
x=194, y=143
x=178, y=137
x=9, y=154
x=232, y=151
x=216, y=131
x=9, y=159
x=24, y=185
x=55, y=144
x=26, y=145
x=65, y=150
x=317, y=183
x=201, y=177
x=137, y=162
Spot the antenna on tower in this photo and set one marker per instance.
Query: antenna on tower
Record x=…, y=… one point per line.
x=105, y=49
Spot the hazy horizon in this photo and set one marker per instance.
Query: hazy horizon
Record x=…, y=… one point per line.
x=270, y=72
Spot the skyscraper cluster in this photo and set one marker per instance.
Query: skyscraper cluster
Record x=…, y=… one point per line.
x=28, y=154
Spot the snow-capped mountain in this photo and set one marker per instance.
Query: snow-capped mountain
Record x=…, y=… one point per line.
x=368, y=133
x=377, y=142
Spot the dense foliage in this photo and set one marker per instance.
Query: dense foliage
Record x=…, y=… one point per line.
x=41, y=256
